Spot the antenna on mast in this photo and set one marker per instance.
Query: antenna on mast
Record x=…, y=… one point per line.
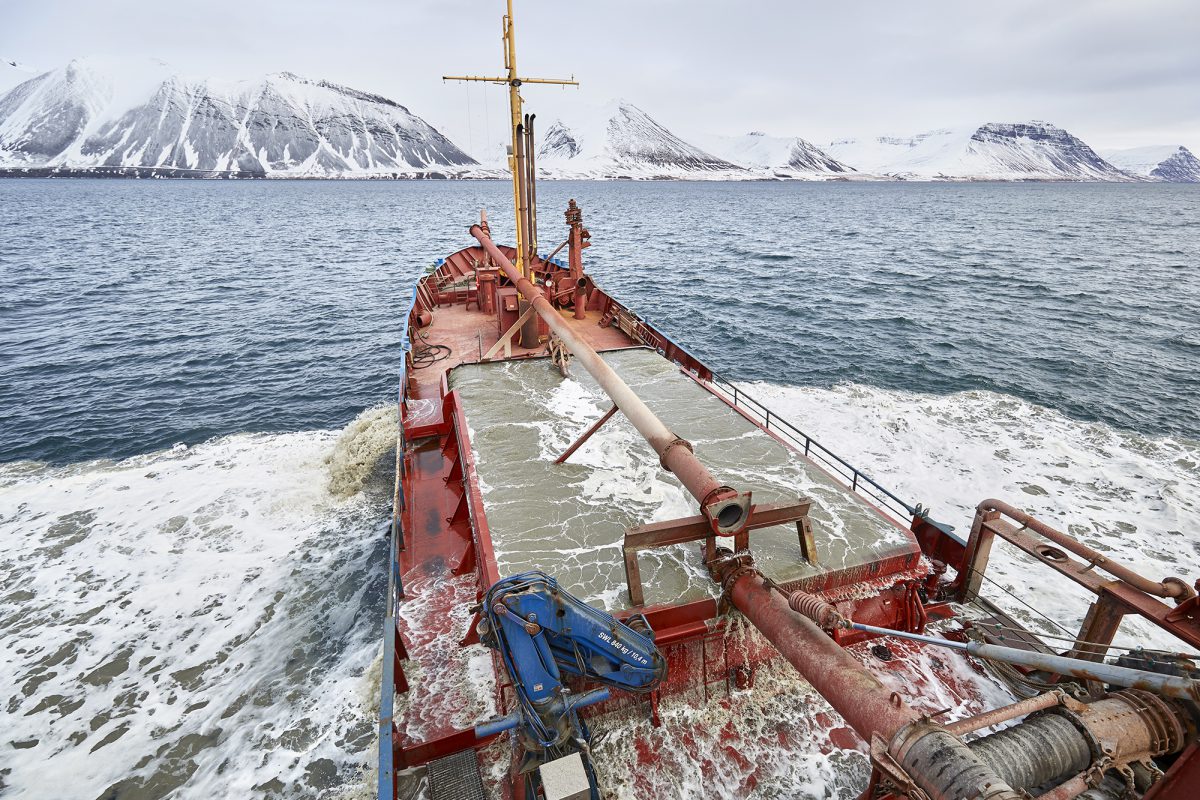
x=521, y=151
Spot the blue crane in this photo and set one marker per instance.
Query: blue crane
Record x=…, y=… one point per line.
x=542, y=631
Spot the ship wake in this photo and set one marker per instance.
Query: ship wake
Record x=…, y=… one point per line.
x=197, y=622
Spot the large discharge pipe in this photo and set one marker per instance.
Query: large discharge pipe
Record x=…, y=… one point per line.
x=869, y=707
x=725, y=508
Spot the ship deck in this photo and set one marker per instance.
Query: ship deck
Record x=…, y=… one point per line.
x=483, y=498
x=569, y=519
x=469, y=334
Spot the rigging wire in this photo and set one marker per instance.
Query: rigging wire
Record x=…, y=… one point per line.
x=487, y=125
x=1019, y=600
x=1099, y=647
x=470, y=126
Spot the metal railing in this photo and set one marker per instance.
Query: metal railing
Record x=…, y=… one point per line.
x=855, y=479
x=395, y=590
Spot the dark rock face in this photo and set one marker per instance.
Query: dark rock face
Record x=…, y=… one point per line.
x=634, y=137
x=558, y=142
x=52, y=126
x=807, y=157
x=282, y=125
x=1041, y=147
x=1181, y=167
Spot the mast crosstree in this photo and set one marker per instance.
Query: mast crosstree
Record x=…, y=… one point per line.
x=521, y=151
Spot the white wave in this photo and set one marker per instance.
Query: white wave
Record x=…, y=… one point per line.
x=1136, y=497
x=192, y=623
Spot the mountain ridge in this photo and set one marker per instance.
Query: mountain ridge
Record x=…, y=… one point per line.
x=782, y=156
x=620, y=140
x=89, y=116
x=1171, y=163
x=1033, y=150
x=97, y=115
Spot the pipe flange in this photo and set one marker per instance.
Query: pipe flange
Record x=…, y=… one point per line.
x=729, y=566
x=676, y=442
x=728, y=510
x=734, y=575
x=1163, y=721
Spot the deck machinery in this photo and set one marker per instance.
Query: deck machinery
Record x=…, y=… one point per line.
x=531, y=603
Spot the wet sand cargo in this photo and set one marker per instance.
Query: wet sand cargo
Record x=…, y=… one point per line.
x=580, y=499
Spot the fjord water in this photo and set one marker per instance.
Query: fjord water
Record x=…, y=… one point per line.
x=191, y=374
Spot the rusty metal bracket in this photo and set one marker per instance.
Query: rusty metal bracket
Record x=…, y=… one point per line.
x=699, y=528
x=1123, y=594
x=891, y=771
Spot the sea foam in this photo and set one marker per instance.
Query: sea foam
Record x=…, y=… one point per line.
x=197, y=622
x=1131, y=496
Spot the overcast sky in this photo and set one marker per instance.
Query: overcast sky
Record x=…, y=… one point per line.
x=1116, y=73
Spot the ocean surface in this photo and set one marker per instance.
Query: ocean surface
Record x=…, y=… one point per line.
x=193, y=389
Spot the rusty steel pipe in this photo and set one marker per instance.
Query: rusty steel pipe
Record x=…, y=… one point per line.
x=867, y=705
x=1068, y=790
x=1168, y=587
x=1021, y=708
x=581, y=297
x=726, y=509
x=1047, y=747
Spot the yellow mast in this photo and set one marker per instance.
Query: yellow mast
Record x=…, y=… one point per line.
x=523, y=202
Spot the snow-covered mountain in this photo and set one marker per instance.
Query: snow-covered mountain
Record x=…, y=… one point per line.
x=620, y=140
x=106, y=114
x=790, y=157
x=143, y=117
x=1172, y=163
x=994, y=151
